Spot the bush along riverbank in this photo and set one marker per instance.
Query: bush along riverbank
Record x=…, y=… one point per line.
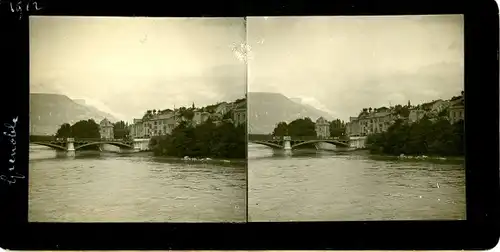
x=202, y=142
x=425, y=139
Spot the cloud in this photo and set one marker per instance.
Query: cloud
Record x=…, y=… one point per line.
x=311, y=101
x=102, y=107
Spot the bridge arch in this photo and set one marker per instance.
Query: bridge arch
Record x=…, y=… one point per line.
x=268, y=144
x=334, y=142
x=118, y=144
x=51, y=145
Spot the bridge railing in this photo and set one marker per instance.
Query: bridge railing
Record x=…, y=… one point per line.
x=34, y=138
x=262, y=137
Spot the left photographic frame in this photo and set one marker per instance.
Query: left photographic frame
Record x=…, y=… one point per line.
x=136, y=120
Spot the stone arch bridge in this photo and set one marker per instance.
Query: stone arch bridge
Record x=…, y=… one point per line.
x=289, y=143
x=70, y=145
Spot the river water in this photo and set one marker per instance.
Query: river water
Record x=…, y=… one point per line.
x=107, y=187
x=351, y=186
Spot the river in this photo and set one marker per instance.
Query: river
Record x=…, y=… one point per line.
x=314, y=185
x=107, y=187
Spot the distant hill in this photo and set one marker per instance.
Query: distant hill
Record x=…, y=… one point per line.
x=49, y=111
x=265, y=110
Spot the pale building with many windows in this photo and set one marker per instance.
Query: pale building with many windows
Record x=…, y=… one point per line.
x=106, y=129
x=370, y=123
x=322, y=128
x=353, y=128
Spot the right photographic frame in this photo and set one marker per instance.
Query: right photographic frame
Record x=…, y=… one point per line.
x=356, y=118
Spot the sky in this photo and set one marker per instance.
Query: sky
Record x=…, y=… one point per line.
x=125, y=66
x=345, y=63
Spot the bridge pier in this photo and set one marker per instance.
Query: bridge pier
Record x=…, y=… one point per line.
x=141, y=144
x=287, y=145
x=70, y=147
x=137, y=146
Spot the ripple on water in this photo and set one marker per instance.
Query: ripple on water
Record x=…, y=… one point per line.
x=134, y=189
x=352, y=187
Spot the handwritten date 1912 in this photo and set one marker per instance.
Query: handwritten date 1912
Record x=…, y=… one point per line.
x=21, y=6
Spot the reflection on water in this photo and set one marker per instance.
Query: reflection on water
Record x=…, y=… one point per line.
x=350, y=186
x=107, y=187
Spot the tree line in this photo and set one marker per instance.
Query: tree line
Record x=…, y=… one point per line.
x=424, y=137
x=204, y=140
x=90, y=129
x=306, y=127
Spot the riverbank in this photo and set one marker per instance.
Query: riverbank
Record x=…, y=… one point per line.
x=402, y=157
x=230, y=162
x=185, y=159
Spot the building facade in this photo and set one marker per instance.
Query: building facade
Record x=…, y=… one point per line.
x=106, y=129
x=240, y=114
x=456, y=111
x=154, y=125
x=162, y=123
x=375, y=122
x=370, y=123
x=137, y=129
x=353, y=127
x=322, y=128
x=223, y=108
x=416, y=115
x=200, y=117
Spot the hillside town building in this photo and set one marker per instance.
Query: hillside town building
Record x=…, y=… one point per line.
x=377, y=121
x=163, y=122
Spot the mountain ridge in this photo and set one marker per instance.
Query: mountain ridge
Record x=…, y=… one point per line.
x=266, y=109
x=49, y=111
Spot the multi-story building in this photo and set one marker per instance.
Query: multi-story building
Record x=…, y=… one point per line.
x=322, y=128
x=200, y=117
x=223, y=107
x=439, y=105
x=375, y=122
x=370, y=123
x=137, y=129
x=456, y=111
x=240, y=113
x=163, y=122
x=353, y=128
x=416, y=115
x=155, y=125
x=106, y=129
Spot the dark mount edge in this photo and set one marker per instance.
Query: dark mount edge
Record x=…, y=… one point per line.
x=480, y=231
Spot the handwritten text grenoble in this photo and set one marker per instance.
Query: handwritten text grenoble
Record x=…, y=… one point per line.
x=11, y=134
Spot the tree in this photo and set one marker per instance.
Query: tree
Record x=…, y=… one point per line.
x=337, y=128
x=148, y=114
x=64, y=131
x=85, y=129
x=401, y=111
x=281, y=129
x=120, y=130
x=420, y=138
x=302, y=127
x=188, y=114
x=204, y=140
